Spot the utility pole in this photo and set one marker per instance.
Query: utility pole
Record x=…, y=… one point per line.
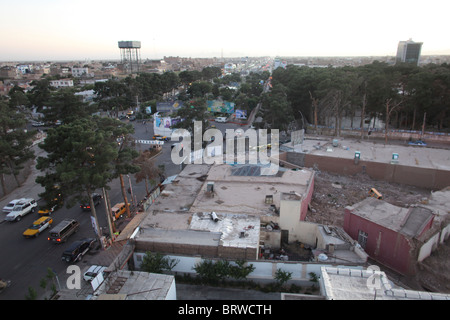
x=124, y=194
x=423, y=125
x=108, y=214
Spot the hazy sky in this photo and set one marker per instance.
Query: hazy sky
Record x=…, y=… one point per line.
x=82, y=29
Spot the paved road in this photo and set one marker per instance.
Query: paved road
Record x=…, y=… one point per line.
x=25, y=261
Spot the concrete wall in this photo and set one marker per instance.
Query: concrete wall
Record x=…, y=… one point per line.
x=307, y=199
x=415, y=176
x=198, y=250
x=271, y=238
x=290, y=217
x=176, y=248
x=433, y=243
x=404, y=135
x=172, y=293
x=445, y=233
x=292, y=212
x=428, y=247
x=264, y=270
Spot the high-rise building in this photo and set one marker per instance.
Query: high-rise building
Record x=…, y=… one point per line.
x=409, y=51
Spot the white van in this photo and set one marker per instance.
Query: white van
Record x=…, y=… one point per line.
x=221, y=119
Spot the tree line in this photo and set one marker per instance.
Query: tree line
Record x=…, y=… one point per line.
x=402, y=95
x=85, y=153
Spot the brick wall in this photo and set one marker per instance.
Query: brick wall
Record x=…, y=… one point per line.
x=197, y=250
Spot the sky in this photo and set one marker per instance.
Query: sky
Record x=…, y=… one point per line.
x=52, y=30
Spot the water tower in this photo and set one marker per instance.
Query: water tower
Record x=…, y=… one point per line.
x=130, y=55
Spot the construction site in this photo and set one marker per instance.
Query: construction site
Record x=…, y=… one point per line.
x=345, y=172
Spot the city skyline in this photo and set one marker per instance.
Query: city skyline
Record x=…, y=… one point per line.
x=82, y=30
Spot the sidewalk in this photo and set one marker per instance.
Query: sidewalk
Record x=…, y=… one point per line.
x=29, y=188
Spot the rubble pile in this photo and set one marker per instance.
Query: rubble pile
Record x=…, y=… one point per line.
x=332, y=193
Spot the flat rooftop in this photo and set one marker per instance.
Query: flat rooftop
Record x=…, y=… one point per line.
x=380, y=212
x=246, y=193
x=182, y=212
x=136, y=285
x=184, y=188
x=237, y=230
x=416, y=156
x=339, y=283
x=409, y=221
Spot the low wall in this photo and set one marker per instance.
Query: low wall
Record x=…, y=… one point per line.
x=264, y=270
x=415, y=176
x=404, y=135
x=201, y=250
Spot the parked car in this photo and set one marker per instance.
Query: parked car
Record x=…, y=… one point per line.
x=417, y=143
x=77, y=250
x=37, y=123
x=221, y=119
x=46, y=211
x=118, y=210
x=92, y=272
x=38, y=226
x=160, y=137
x=86, y=206
x=21, y=208
x=8, y=208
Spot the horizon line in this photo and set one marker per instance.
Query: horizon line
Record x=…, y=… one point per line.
x=220, y=58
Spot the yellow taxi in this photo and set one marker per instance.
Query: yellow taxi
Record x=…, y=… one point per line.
x=118, y=210
x=38, y=226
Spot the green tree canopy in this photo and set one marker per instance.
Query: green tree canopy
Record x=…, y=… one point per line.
x=83, y=156
x=15, y=142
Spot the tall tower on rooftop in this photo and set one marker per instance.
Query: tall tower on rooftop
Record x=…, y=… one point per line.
x=409, y=51
x=130, y=55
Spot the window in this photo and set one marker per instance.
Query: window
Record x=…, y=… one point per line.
x=362, y=238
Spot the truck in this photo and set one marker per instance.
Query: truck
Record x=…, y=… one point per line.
x=21, y=208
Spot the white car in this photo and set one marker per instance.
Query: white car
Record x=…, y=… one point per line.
x=8, y=208
x=21, y=208
x=221, y=119
x=92, y=272
x=37, y=123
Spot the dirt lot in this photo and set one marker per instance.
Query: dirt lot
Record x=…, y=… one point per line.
x=332, y=193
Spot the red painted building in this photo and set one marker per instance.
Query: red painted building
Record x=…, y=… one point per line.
x=389, y=234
